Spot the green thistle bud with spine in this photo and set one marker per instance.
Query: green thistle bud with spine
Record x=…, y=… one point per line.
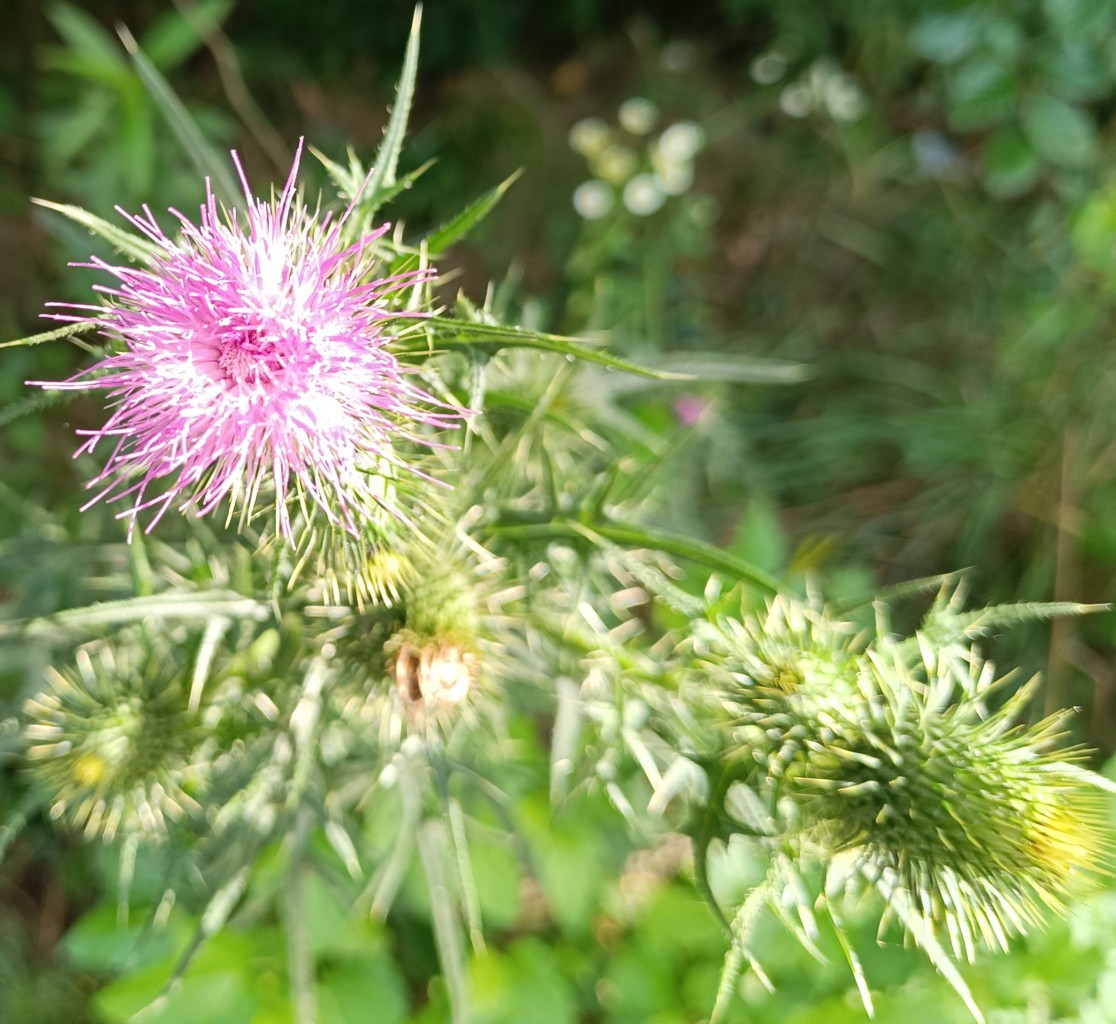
x=978, y=820
x=109, y=743
x=884, y=762
x=780, y=673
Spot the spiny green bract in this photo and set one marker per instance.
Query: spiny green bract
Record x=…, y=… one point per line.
x=110, y=741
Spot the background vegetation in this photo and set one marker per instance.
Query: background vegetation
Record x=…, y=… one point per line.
x=899, y=238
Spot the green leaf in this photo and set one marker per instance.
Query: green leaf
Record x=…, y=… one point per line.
x=387, y=157
x=1094, y=233
x=946, y=38
x=348, y=180
x=980, y=93
x=85, y=35
x=469, y=333
x=464, y=222
x=759, y=536
x=32, y=404
x=1009, y=164
x=177, y=34
x=1076, y=72
x=99, y=944
x=132, y=246
x=1085, y=20
x=204, y=157
x=1061, y=133
x=349, y=987
x=528, y=983
x=438, y=241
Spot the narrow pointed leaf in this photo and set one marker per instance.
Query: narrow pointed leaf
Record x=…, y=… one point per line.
x=457, y=228
x=130, y=245
x=387, y=157
x=348, y=181
x=62, y=332
x=922, y=932
x=696, y=551
x=899, y=592
x=158, y=606
x=853, y=960
x=467, y=333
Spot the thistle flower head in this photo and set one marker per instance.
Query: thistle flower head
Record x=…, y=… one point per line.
x=253, y=364
x=110, y=744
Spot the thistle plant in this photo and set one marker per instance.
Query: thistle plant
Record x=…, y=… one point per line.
x=376, y=531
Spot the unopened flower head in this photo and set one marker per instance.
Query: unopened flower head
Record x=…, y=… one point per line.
x=110, y=744
x=253, y=364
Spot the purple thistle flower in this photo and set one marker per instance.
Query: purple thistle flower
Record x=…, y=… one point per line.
x=252, y=352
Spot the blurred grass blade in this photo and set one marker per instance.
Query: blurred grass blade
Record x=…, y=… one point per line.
x=564, y=738
x=204, y=157
x=388, y=879
x=387, y=157
x=727, y=367
x=132, y=246
x=466, y=880
x=15, y=821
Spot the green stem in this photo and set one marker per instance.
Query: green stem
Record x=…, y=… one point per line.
x=300, y=958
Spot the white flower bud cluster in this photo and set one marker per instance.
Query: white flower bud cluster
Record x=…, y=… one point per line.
x=629, y=164
x=822, y=88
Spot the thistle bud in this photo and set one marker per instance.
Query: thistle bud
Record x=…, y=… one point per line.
x=978, y=821
x=109, y=743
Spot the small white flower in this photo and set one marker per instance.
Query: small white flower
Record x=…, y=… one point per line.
x=677, y=56
x=642, y=195
x=797, y=100
x=674, y=178
x=638, y=115
x=616, y=164
x=768, y=68
x=843, y=99
x=593, y=199
x=681, y=141
x=589, y=137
